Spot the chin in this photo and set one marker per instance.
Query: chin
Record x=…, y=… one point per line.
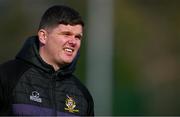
x=68, y=61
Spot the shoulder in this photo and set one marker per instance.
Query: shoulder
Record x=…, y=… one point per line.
x=76, y=86
x=14, y=65
x=11, y=70
x=83, y=89
x=6, y=68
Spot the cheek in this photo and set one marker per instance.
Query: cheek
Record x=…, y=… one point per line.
x=78, y=44
x=57, y=43
x=54, y=47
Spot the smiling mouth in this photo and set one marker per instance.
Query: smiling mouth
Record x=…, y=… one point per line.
x=69, y=50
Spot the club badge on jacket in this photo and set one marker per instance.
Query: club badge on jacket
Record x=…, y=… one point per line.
x=71, y=104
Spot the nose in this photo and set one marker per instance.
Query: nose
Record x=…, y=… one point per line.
x=72, y=41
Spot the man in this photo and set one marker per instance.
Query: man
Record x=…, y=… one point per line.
x=40, y=80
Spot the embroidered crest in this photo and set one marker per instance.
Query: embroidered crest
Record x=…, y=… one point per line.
x=71, y=104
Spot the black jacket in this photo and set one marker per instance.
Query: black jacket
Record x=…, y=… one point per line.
x=29, y=86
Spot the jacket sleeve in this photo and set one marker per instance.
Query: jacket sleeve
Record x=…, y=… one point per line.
x=4, y=96
x=1, y=96
x=4, y=93
x=91, y=106
x=9, y=76
x=91, y=109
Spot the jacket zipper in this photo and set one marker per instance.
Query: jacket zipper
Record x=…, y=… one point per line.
x=53, y=85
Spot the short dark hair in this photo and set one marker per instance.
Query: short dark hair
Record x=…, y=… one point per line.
x=60, y=14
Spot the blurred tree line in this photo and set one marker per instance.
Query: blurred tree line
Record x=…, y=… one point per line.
x=147, y=57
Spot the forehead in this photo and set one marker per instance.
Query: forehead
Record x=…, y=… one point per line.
x=70, y=28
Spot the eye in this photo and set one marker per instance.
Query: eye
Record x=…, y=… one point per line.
x=78, y=37
x=67, y=33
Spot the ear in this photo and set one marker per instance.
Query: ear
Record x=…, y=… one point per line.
x=42, y=34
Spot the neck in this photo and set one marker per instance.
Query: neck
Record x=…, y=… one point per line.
x=47, y=59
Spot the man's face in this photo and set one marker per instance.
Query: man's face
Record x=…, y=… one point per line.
x=60, y=44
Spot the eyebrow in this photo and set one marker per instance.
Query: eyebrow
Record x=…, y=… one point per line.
x=69, y=32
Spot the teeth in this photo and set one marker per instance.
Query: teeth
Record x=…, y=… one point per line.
x=68, y=50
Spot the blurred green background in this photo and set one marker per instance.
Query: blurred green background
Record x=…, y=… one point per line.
x=146, y=51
